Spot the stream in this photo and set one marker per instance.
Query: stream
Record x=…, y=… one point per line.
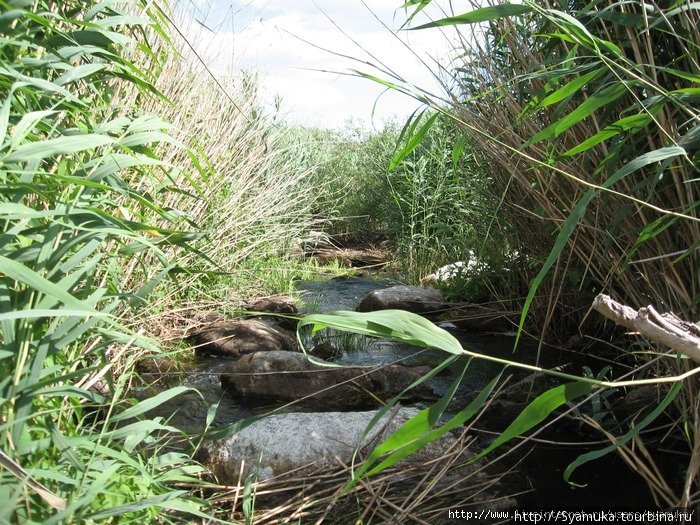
x=609, y=482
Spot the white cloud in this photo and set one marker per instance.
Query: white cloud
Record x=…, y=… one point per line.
x=276, y=36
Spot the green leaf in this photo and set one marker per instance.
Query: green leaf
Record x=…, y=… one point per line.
x=65, y=145
x=21, y=273
x=151, y=403
x=624, y=124
x=79, y=72
x=649, y=418
x=26, y=124
x=413, y=142
x=397, y=325
x=536, y=412
x=118, y=510
x=480, y=15
x=45, y=313
x=569, y=89
x=589, y=106
x=416, y=433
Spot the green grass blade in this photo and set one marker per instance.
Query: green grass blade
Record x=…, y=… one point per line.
x=483, y=14
x=537, y=411
x=649, y=418
x=21, y=273
x=413, y=141
x=65, y=145
x=569, y=89
x=405, y=441
x=150, y=403
x=397, y=325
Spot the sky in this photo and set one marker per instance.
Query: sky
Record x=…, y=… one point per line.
x=296, y=47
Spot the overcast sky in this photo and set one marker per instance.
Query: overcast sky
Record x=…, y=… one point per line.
x=277, y=38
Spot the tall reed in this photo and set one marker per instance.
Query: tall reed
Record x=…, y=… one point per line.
x=587, y=115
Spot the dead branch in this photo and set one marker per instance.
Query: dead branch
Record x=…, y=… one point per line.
x=667, y=329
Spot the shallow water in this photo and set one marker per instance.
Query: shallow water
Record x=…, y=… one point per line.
x=610, y=483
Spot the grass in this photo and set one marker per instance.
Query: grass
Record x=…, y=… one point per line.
x=114, y=208
x=585, y=116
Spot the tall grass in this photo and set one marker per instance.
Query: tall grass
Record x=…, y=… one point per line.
x=71, y=224
x=587, y=116
x=247, y=184
x=123, y=165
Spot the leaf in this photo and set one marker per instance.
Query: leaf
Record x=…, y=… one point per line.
x=624, y=124
x=45, y=313
x=590, y=456
x=569, y=89
x=590, y=105
x=21, y=273
x=536, y=412
x=16, y=470
x=413, y=142
x=118, y=510
x=151, y=403
x=416, y=433
x=26, y=124
x=396, y=325
x=79, y=72
x=65, y=145
x=480, y=15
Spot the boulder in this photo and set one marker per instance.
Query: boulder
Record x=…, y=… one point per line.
x=277, y=448
x=280, y=305
x=236, y=338
x=274, y=305
x=290, y=376
x=281, y=443
x=416, y=299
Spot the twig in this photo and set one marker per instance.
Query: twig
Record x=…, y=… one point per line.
x=668, y=329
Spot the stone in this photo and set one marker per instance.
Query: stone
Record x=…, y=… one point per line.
x=294, y=445
x=291, y=376
x=160, y=370
x=278, y=305
x=325, y=351
x=236, y=338
x=416, y=299
x=281, y=443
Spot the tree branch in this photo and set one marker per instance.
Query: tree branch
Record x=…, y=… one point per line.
x=667, y=329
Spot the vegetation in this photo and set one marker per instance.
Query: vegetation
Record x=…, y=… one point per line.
x=587, y=116
x=136, y=186
x=111, y=213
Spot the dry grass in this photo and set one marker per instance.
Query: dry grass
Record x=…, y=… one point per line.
x=637, y=242
x=411, y=492
x=237, y=184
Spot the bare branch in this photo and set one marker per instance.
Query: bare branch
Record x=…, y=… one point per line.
x=667, y=329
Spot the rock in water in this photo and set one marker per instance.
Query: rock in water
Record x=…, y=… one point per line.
x=236, y=338
x=290, y=376
x=306, y=444
x=416, y=299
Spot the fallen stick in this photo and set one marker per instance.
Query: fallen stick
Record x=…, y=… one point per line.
x=667, y=329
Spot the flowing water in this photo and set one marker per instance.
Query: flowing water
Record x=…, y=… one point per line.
x=610, y=483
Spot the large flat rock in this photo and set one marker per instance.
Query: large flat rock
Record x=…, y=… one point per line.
x=291, y=376
x=281, y=443
x=416, y=299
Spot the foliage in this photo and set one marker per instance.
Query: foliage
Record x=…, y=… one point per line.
x=586, y=115
x=349, y=189
x=103, y=203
